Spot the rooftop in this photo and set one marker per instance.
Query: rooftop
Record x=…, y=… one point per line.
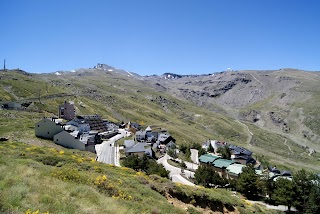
x=239, y=150
x=222, y=163
x=139, y=147
x=235, y=169
x=208, y=158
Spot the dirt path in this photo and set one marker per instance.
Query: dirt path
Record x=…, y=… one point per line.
x=233, y=115
x=285, y=143
x=257, y=79
x=8, y=89
x=250, y=134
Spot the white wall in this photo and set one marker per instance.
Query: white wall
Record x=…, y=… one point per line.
x=67, y=140
x=46, y=128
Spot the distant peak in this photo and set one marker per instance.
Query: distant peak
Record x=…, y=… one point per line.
x=171, y=76
x=104, y=67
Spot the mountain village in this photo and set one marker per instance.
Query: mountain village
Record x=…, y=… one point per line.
x=154, y=151
x=93, y=133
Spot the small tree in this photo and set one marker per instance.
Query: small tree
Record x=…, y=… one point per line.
x=195, y=146
x=247, y=182
x=206, y=176
x=313, y=203
x=284, y=192
x=144, y=163
x=172, y=153
x=188, y=154
x=210, y=148
x=303, y=185
x=149, y=166
x=157, y=169
x=133, y=162
x=183, y=148
x=201, y=151
x=183, y=165
x=225, y=152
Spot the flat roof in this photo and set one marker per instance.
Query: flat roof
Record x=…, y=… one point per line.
x=208, y=158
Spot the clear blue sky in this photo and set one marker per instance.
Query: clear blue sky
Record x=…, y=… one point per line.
x=158, y=36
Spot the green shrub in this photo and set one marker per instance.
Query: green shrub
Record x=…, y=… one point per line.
x=50, y=160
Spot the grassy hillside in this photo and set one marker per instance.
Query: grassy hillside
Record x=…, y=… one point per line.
x=53, y=180
x=118, y=96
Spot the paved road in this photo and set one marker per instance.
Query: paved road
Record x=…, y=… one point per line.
x=279, y=207
x=108, y=152
x=189, y=165
x=175, y=172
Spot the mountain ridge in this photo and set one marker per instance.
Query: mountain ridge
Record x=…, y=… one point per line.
x=278, y=107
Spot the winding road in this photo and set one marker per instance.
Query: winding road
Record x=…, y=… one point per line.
x=175, y=172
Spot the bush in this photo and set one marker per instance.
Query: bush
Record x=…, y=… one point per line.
x=149, y=166
x=206, y=176
x=50, y=160
x=69, y=174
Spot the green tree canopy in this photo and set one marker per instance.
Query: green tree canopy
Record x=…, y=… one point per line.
x=284, y=193
x=313, y=203
x=247, y=182
x=206, y=176
x=210, y=148
x=225, y=152
x=303, y=185
x=149, y=166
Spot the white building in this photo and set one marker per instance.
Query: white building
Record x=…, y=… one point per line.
x=75, y=141
x=48, y=127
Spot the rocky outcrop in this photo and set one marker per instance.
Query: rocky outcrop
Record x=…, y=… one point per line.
x=212, y=90
x=279, y=121
x=252, y=116
x=165, y=103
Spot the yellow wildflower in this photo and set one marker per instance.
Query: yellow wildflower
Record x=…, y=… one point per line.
x=140, y=174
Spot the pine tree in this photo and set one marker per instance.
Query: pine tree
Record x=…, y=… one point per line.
x=247, y=182
x=284, y=193
x=210, y=148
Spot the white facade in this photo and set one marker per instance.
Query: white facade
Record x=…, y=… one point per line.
x=194, y=156
x=47, y=128
x=67, y=140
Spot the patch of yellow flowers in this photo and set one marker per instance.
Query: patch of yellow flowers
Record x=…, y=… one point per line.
x=29, y=211
x=103, y=183
x=140, y=174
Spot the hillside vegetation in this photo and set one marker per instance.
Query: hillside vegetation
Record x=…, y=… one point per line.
x=121, y=96
x=55, y=180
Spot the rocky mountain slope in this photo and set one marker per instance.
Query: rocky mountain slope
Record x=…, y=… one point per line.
x=272, y=113
x=282, y=101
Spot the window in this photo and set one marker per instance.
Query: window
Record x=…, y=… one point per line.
x=38, y=125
